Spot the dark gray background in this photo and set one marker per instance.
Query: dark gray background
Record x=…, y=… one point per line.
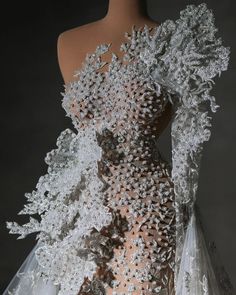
x=32, y=116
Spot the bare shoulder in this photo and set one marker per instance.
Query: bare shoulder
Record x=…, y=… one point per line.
x=82, y=35
x=72, y=33
x=86, y=36
x=72, y=46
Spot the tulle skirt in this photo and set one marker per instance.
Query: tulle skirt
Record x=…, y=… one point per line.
x=196, y=274
x=27, y=282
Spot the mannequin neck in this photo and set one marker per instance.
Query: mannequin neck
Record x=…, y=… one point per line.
x=123, y=11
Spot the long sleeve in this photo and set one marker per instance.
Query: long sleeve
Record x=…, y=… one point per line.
x=183, y=57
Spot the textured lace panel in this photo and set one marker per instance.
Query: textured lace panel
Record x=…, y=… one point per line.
x=114, y=215
x=124, y=91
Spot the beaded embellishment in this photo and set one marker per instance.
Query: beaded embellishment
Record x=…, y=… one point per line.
x=115, y=216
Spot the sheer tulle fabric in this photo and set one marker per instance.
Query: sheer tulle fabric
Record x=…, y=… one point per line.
x=177, y=62
x=26, y=280
x=196, y=274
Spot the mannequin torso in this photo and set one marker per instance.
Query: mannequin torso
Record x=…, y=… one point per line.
x=74, y=44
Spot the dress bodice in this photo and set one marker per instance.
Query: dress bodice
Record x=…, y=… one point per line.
x=116, y=114
x=124, y=95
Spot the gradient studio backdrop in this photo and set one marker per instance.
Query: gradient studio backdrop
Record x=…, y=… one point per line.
x=32, y=116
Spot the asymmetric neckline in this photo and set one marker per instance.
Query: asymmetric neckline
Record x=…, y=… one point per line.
x=134, y=30
x=112, y=160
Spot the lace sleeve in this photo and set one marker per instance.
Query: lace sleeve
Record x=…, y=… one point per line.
x=200, y=58
x=184, y=56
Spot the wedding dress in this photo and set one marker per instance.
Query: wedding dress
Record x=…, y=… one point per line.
x=114, y=217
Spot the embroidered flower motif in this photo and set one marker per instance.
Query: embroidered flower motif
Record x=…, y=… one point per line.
x=114, y=114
